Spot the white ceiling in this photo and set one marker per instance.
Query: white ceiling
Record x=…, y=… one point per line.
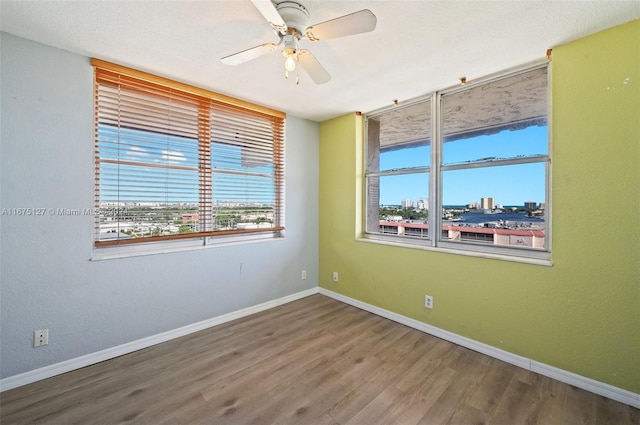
x=417, y=46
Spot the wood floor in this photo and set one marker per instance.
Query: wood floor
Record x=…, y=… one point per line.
x=313, y=361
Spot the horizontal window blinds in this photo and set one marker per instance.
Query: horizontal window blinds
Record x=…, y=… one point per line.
x=174, y=162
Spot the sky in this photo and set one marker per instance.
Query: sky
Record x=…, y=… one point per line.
x=508, y=185
x=152, y=167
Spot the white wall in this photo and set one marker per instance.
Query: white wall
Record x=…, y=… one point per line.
x=47, y=278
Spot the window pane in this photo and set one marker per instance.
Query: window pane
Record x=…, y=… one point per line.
x=400, y=138
x=140, y=201
x=403, y=203
x=406, y=157
x=141, y=147
x=501, y=119
x=242, y=201
x=148, y=183
x=507, y=144
x=241, y=159
x=243, y=186
x=496, y=205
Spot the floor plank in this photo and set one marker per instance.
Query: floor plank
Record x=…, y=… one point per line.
x=312, y=361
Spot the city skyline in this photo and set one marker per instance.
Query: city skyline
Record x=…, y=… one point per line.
x=478, y=204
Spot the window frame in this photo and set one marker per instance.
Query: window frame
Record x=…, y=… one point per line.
x=208, y=103
x=436, y=241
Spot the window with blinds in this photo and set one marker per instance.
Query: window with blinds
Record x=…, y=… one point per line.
x=174, y=161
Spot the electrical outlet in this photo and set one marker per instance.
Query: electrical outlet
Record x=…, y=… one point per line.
x=304, y=274
x=40, y=337
x=335, y=276
x=428, y=301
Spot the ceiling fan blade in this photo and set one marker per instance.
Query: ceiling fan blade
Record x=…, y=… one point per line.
x=354, y=23
x=247, y=55
x=310, y=64
x=270, y=13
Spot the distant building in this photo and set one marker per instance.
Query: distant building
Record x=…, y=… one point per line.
x=394, y=218
x=530, y=205
x=487, y=203
x=406, y=203
x=422, y=204
x=533, y=238
x=190, y=218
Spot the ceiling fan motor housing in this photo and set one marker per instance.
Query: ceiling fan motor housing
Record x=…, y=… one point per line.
x=290, y=45
x=295, y=15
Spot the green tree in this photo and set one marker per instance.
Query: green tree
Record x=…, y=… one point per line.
x=185, y=228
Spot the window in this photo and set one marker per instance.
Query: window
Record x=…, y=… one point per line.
x=472, y=161
x=177, y=162
x=398, y=164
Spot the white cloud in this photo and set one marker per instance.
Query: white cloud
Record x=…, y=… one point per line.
x=137, y=152
x=173, y=157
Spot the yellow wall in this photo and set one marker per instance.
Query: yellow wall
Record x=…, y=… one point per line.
x=582, y=314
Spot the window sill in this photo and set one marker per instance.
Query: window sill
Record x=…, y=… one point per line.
x=167, y=247
x=538, y=258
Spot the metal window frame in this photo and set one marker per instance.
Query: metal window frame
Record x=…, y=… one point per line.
x=435, y=170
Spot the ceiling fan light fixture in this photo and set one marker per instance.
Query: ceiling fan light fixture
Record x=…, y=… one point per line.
x=290, y=51
x=290, y=63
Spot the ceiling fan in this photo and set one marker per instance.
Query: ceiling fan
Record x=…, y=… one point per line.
x=289, y=20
